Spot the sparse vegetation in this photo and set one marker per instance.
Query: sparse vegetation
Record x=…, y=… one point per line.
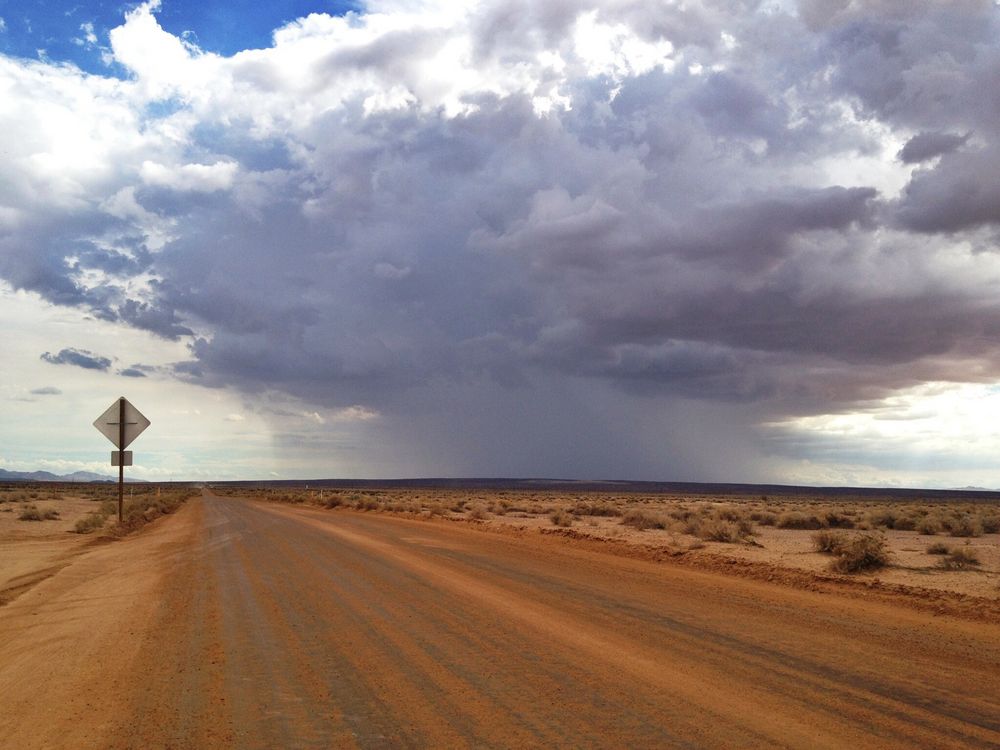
x=829, y=542
x=863, y=553
x=32, y=513
x=797, y=520
x=90, y=523
x=960, y=558
x=643, y=520
x=964, y=525
x=929, y=526
x=560, y=517
x=938, y=548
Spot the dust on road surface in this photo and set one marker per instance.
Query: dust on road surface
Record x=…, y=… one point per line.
x=240, y=624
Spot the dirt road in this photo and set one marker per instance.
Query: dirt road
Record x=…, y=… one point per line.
x=239, y=624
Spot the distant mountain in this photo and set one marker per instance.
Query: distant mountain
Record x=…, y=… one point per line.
x=48, y=476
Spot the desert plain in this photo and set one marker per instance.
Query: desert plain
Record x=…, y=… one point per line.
x=258, y=616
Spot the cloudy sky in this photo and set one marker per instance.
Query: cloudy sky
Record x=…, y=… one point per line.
x=718, y=241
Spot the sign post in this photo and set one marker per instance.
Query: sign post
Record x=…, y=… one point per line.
x=121, y=424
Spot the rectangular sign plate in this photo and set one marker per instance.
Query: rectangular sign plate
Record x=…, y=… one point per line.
x=116, y=458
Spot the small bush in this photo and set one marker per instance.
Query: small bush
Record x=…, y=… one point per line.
x=332, y=501
x=964, y=526
x=961, y=558
x=938, y=548
x=90, y=522
x=478, y=513
x=796, y=520
x=560, y=517
x=596, y=509
x=838, y=520
x=929, y=526
x=764, y=518
x=863, y=552
x=989, y=523
x=642, y=520
x=829, y=542
x=31, y=513
x=719, y=530
x=883, y=518
x=905, y=522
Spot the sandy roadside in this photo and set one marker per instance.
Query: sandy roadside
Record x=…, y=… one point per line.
x=67, y=643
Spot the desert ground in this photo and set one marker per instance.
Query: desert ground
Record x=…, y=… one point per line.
x=443, y=618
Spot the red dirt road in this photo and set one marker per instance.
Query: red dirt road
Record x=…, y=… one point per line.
x=239, y=624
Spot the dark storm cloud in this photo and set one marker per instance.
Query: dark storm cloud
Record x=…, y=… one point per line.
x=924, y=146
x=659, y=249
x=725, y=226
x=78, y=358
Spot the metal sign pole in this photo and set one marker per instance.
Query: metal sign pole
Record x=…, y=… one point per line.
x=121, y=461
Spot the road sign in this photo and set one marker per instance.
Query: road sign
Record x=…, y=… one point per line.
x=121, y=424
x=109, y=423
x=116, y=458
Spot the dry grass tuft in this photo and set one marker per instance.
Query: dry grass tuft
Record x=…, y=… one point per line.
x=938, y=548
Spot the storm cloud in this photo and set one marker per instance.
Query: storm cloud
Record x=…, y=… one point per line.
x=502, y=223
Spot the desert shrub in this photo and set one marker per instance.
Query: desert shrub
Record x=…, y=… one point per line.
x=596, y=509
x=838, y=520
x=906, y=522
x=719, y=530
x=144, y=508
x=478, y=513
x=332, y=501
x=960, y=558
x=436, y=509
x=728, y=513
x=642, y=520
x=561, y=517
x=885, y=518
x=938, y=548
x=90, y=522
x=31, y=513
x=373, y=503
x=863, y=552
x=990, y=523
x=458, y=506
x=797, y=520
x=764, y=518
x=929, y=525
x=829, y=542
x=964, y=525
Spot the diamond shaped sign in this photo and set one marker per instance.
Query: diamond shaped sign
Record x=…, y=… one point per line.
x=109, y=423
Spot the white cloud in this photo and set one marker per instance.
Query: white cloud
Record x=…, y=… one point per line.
x=199, y=178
